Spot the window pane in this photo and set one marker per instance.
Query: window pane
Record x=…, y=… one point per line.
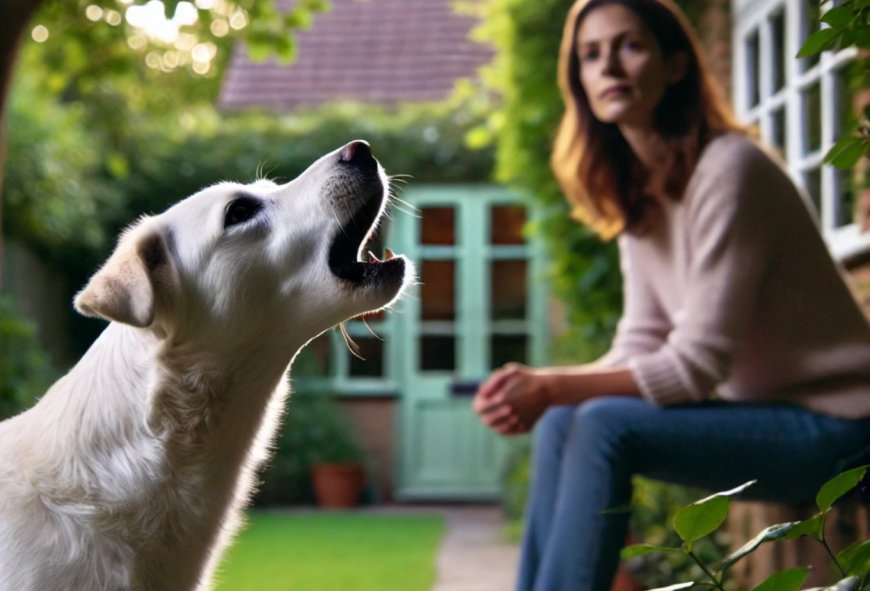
x=777, y=33
x=813, y=181
x=752, y=67
x=847, y=81
x=507, y=348
x=847, y=198
x=437, y=290
x=371, y=365
x=506, y=224
x=812, y=104
x=437, y=353
x=508, y=290
x=779, y=130
x=315, y=359
x=438, y=225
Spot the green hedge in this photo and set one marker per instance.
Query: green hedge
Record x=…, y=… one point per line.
x=73, y=182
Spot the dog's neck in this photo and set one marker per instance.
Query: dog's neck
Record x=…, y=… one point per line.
x=190, y=425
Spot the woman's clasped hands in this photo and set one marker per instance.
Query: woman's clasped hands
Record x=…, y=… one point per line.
x=512, y=399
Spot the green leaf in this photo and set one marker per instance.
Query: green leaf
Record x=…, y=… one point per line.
x=258, y=50
x=772, y=533
x=703, y=517
x=838, y=486
x=700, y=519
x=818, y=42
x=787, y=580
x=808, y=527
x=298, y=19
x=315, y=5
x=285, y=48
x=641, y=549
x=846, y=152
x=855, y=558
x=839, y=18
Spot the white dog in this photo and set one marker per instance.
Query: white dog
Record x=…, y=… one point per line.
x=130, y=473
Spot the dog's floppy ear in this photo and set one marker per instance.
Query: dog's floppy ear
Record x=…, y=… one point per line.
x=124, y=289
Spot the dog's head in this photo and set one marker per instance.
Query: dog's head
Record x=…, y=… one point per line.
x=250, y=261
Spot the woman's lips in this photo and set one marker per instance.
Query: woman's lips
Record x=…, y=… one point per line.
x=615, y=91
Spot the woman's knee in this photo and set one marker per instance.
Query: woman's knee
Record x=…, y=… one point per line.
x=552, y=428
x=609, y=416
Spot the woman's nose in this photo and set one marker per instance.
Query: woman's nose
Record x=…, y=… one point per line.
x=612, y=65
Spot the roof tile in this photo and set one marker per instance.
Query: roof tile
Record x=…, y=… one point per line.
x=376, y=51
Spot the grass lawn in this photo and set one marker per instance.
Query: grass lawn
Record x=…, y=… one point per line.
x=332, y=551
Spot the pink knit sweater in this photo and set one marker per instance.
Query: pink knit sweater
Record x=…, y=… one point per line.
x=732, y=291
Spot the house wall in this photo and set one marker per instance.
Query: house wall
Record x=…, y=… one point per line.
x=375, y=421
x=714, y=31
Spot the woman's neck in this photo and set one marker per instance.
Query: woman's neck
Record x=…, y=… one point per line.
x=652, y=153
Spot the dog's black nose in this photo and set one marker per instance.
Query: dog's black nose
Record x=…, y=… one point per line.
x=356, y=152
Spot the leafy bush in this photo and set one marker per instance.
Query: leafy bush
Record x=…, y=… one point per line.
x=24, y=371
x=700, y=519
x=55, y=198
x=73, y=182
x=515, y=480
x=654, y=505
x=314, y=430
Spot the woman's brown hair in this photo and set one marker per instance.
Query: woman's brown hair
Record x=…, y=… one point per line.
x=600, y=175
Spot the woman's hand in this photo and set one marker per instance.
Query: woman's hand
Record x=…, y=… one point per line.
x=512, y=399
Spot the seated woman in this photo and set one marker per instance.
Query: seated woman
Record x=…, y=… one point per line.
x=740, y=353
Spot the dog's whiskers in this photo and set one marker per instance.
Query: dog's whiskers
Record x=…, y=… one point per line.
x=349, y=342
x=370, y=329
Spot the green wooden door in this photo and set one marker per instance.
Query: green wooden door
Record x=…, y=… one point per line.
x=479, y=304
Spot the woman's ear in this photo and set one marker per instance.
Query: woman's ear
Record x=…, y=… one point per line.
x=678, y=65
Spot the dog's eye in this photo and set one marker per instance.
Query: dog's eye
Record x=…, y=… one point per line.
x=241, y=210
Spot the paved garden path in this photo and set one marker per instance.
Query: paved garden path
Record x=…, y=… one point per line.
x=474, y=555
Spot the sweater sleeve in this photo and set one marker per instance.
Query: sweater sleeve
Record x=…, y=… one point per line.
x=728, y=237
x=643, y=326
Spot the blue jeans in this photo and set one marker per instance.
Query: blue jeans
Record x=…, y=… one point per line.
x=585, y=456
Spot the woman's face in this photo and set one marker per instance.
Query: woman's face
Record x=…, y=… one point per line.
x=622, y=70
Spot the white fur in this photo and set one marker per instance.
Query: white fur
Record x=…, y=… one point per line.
x=131, y=472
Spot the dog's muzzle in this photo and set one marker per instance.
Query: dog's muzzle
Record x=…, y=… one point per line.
x=365, y=195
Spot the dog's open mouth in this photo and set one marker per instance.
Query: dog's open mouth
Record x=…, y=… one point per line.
x=349, y=258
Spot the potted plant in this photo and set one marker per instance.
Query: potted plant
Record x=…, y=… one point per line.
x=337, y=462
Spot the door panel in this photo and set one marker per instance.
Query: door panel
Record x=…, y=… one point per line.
x=469, y=313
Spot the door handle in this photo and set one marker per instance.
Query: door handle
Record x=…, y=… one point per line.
x=464, y=388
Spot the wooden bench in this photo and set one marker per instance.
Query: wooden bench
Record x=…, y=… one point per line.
x=847, y=523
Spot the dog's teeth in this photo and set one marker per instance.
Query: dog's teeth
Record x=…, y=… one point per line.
x=373, y=258
x=390, y=254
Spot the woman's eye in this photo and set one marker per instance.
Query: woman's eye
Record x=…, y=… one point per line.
x=589, y=55
x=241, y=210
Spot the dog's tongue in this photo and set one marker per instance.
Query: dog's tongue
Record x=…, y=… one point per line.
x=389, y=254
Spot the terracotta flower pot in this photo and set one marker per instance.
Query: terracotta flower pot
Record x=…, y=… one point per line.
x=338, y=485
x=625, y=581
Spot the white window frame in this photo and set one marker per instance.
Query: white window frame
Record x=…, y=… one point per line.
x=750, y=17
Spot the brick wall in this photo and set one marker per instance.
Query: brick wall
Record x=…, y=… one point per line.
x=714, y=30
